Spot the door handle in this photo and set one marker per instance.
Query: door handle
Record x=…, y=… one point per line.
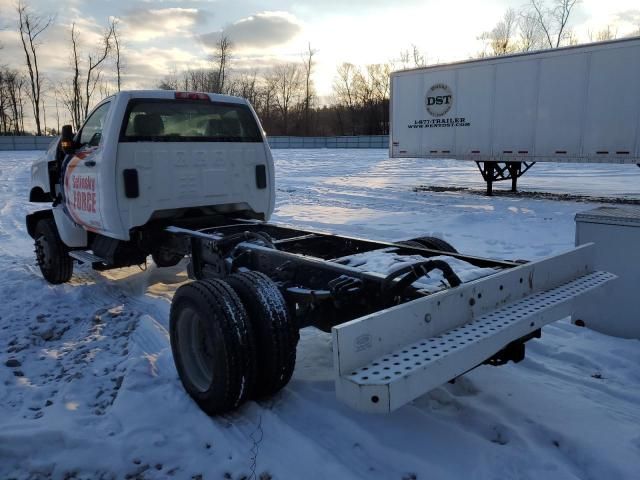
x=90, y=163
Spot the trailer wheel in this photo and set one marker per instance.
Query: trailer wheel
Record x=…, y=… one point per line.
x=52, y=254
x=434, y=243
x=212, y=345
x=166, y=258
x=275, y=332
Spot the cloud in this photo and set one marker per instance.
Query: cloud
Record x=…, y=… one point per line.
x=628, y=16
x=158, y=62
x=265, y=29
x=143, y=24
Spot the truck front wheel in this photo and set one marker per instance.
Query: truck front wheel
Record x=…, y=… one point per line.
x=166, y=258
x=212, y=345
x=51, y=253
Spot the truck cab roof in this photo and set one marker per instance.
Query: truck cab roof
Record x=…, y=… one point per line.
x=175, y=94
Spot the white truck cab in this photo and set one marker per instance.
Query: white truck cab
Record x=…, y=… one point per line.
x=154, y=157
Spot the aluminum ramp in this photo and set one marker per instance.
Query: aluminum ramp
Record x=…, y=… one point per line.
x=390, y=358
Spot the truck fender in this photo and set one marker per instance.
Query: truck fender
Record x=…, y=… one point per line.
x=37, y=194
x=71, y=234
x=33, y=219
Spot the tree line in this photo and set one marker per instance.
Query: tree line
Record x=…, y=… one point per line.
x=284, y=95
x=538, y=25
x=285, y=98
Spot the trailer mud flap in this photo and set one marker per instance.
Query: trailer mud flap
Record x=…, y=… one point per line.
x=384, y=360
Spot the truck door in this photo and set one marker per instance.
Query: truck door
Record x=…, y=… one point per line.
x=81, y=183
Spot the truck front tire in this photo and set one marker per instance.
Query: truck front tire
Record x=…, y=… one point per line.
x=212, y=345
x=166, y=258
x=52, y=254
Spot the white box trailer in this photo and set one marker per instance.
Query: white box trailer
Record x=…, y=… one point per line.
x=573, y=104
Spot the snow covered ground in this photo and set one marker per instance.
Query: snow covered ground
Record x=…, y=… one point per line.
x=88, y=388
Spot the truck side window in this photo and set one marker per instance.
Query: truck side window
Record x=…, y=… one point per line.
x=92, y=129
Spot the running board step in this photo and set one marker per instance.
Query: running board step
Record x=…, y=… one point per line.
x=86, y=257
x=402, y=374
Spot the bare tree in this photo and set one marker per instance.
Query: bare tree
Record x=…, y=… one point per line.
x=246, y=86
x=363, y=94
x=94, y=62
x=170, y=81
x=4, y=117
x=403, y=61
x=413, y=58
x=553, y=20
x=529, y=32
x=309, y=91
x=372, y=93
x=77, y=95
x=344, y=90
x=287, y=83
x=12, y=85
x=57, y=112
x=500, y=40
x=419, y=58
x=222, y=59
x=607, y=33
x=343, y=85
x=265, y=100
x=72, y=94
x=30, y=27
x=115, y=34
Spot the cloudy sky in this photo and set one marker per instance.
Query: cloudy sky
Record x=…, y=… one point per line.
x=165, y=35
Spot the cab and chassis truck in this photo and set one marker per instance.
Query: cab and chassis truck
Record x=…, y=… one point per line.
x=182, y=174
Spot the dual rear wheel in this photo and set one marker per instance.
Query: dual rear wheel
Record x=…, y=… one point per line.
x=233, y=340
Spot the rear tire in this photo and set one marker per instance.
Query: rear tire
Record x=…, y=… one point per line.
x=275, y=333
x=434, y=243
x=212, y=345
x=52, y=254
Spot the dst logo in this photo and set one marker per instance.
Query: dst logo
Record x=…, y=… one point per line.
x=438, y=100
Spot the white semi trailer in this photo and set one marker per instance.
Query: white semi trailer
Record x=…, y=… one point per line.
x=575, y=104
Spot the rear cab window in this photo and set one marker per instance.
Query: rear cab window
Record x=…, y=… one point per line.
x=169, y=120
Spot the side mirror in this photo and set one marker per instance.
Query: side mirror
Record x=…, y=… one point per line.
x=66, y=140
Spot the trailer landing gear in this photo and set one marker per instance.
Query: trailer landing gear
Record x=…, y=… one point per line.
x=498, y=171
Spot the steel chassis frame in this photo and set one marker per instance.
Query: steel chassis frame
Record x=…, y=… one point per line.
x=390, y=349
x=321, y=291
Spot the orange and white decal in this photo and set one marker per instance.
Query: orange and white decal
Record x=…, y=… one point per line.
x=81, y=193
